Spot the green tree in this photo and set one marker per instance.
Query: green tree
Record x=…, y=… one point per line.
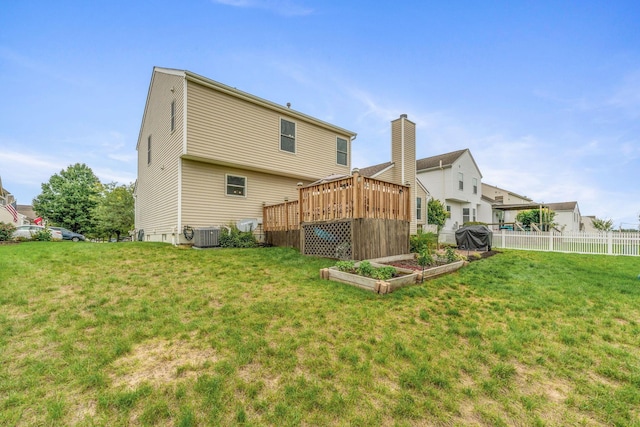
x=539, y=217
x=436, y=213
x=69, y=198
x=114, y=213
x=602, y=224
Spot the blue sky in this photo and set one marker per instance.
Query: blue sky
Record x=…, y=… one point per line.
x=546, y=95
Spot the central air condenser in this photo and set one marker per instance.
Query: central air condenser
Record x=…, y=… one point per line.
x=208, y=237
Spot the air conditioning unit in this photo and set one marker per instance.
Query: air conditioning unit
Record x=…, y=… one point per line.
x=208, y=237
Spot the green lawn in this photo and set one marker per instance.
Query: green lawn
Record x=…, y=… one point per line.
x=150, y=334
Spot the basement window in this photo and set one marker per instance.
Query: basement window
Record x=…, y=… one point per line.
x=236, y=185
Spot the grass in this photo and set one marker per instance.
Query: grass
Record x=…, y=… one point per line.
x=150, y=334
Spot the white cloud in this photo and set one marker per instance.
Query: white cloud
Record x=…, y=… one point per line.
x=281, y=7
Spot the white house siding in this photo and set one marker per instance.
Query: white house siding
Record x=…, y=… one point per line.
x=231, y=131
x=157, y=184
x=485, y=213
x=6, y=217
x=204, y=198
x=568, y=220
x=443, y=185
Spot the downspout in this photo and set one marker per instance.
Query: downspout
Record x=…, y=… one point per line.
x=184, y=152
x=402, y=117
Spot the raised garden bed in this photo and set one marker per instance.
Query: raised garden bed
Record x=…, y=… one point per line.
x=406, y=276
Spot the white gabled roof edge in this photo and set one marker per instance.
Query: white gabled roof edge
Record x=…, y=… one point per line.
x=423, y=187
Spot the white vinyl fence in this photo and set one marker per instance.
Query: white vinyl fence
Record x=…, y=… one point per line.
x=610, y=243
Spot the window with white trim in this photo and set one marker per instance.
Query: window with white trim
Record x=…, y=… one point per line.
x=460, y=181
x=287, y=136
x=474, y=215
x=342, y=151
x=419, y=208
x=465, y=215
x=475, y=185
x=236, y=185
x=149, y=150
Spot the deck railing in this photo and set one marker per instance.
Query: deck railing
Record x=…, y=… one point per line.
x=352, y=197
x=282, y=217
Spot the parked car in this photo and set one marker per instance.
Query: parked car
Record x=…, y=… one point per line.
x=27, y=232
x=69, y=235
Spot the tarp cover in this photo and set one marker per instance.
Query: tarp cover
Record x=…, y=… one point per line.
x=474, y=237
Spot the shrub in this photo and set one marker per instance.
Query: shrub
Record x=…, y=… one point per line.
x=346, y=266
x=424, y=258
x=42, y=235
x=451, y=255
x=365, y=269
x=423, y=241
x=384, y=273
x=6, y=230
x=238, y=239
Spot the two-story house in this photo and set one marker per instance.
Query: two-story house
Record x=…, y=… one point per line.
x=210, y=154
x=455, y=179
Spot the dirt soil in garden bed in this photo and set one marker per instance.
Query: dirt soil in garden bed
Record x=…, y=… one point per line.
x=412, y=264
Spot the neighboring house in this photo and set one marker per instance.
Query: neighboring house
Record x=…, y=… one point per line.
x=402, y=169
x=28, y=213
x=210, y=155
x=567, y=216
x=6, y=216
x=455, y=179
x=587, y=224
x=504, y=204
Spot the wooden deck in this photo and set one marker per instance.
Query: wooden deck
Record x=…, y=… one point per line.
x=355, y=197
x=350, y=218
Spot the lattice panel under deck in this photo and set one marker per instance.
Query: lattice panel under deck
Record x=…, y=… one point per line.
x=328, y=239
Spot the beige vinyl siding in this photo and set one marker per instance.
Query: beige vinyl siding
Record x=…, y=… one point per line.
x=157, y=186
x=204, y=199
x=406, y=156
x=387, y=175
x=423, y=195
x=233, y=131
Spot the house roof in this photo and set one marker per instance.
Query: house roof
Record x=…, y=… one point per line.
x=371, y=171
x=507, y=191
x=190, y=76
x=27, y=210
x=447, y=160
x=562, y=206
